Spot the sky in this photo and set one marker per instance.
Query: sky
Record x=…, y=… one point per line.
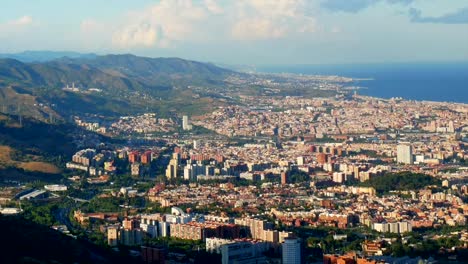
x=247, y=32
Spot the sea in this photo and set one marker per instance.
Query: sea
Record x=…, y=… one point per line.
x=443, y=82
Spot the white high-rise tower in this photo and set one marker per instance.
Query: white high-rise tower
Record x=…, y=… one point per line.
x=405, y=154
x=185, y=123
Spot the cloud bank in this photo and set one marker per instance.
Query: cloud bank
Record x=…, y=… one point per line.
x=163, y=23
x=169, y=22
x=458, y=17
x=265, y=19
x=354, y=6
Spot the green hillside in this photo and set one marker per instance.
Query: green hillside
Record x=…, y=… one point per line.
x=115, y=85
x=33, y=150
x=120, y=85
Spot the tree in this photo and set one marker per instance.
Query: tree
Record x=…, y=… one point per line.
x=403, y=181
x=398, y=249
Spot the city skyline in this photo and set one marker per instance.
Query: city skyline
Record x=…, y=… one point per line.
x=244, y=32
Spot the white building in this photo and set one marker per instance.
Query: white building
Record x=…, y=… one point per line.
x=178, y=216
x=339, y=177
x=404, y=154
x=185, y=123
x=150, y=224
x=300, y=161
x=381, y=227
x=55, y=188
x=10, y=211
x=196, y=144
x=213, y=245
x=404, y=227
x=188, y=173
x=394, y=227
x=36, y=194
x=244, y=252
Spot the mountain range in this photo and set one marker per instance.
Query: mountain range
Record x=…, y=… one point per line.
x=107, y=85
x=42, y=56
x=60, y=85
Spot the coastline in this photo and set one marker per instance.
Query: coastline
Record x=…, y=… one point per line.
x=439, y=82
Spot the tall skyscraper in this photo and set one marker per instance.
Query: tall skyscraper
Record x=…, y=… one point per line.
x=172, y=167
x=291, y=249
x=185, y=123
x=405, y=154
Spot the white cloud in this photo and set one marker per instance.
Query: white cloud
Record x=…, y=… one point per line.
x=257, y=28
x=136, y=35
x=16, y=26
x=21, y=21
x=169, y=22
x=213, y=6
x=265, y=19
x=278, y=8
x=162, y=24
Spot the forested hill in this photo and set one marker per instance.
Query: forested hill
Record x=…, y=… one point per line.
x=403, y=181
x=108, y=85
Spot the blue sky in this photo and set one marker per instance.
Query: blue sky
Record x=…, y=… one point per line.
x=243, y=31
